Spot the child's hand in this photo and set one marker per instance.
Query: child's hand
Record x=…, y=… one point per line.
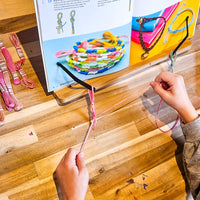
x=72, y=175
x=175, y=95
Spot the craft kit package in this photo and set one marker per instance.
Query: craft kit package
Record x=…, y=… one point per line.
x=91, y=38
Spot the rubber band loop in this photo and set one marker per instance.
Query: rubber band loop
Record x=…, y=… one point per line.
x=181, y=29
x=165, y=38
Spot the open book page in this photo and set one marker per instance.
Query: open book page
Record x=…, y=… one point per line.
x=89, y=37
x=144, y=7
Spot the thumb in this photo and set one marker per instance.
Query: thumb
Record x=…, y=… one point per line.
x=159, y=89
x=80, y=161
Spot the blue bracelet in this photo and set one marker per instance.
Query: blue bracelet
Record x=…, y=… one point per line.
x=181, y=29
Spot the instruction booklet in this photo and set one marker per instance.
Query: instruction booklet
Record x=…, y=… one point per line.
x=91, y=38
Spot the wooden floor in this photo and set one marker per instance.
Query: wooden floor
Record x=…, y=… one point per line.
x=127, y=156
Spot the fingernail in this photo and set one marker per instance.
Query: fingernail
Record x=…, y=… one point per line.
x=152, y=83
x=81, y=154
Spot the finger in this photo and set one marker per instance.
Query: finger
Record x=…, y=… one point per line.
x=80, y=161
x=70, y=157
x=166, y=77
x=159, y=89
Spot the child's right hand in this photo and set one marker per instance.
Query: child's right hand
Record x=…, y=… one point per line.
x=176, y=95
x=72, y=175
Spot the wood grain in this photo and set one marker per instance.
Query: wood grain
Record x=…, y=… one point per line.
x=23, y=137
x=10, y=9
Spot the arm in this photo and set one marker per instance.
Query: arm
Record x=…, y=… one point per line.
x=191, y=155
x=72, y=175
x=176, y=96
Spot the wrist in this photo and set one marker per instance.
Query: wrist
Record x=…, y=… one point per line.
x=188, y=114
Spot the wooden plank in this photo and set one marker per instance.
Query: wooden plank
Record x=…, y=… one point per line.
x=17, y=139
x=28, y=114
x=36, y=189
x=45, y=190
x=15, y=8
x=17, y=22
x=60, y=129
x=17, y=177
x=137, y=162
x=30, y=188
x=20, y=157
x=123, y=120
x=3, y=197
x=163, y=181
x=117, y=145
x=24, y=186
x=152, y=178
x=97, y=145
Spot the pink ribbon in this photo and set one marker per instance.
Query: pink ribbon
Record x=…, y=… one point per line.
x=9, y=103
x=10, y=63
